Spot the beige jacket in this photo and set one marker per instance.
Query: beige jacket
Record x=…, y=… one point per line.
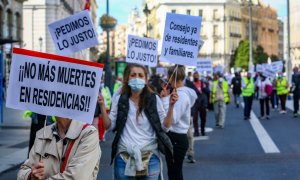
x=84, y=158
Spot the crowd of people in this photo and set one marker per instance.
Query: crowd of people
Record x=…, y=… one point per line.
x=152, y=118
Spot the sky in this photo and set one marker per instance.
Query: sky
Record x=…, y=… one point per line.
x=120, y=9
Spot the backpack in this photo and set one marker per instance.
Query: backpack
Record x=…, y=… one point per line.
x=268, y=89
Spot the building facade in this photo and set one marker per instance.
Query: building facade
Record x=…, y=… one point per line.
x=41, y=13
x=11, y=28
x=221, y=24
x=265, y=27
x=295, y=31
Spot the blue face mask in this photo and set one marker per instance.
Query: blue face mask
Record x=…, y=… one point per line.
x=136, y=84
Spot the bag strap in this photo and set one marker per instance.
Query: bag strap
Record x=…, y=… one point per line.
x=64, y=164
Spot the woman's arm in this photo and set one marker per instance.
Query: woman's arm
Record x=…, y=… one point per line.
x=105, y=118
x=169, y=117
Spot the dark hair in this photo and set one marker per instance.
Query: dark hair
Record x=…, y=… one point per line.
x=126, y=89
x=180, y=73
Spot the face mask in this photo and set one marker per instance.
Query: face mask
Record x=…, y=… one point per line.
x=279, y=76
x=196, y=79
x=136, y=84
x=220, y=79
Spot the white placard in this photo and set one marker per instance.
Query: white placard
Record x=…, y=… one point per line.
x=259, y=68
x=204, y=66
x=268, y=72
x=181, y=39
x=219, y=69
x=252, y=69
x=142, y=51
x=73, y=33
x=161, y=71
x=277, y=66
x=53, y=85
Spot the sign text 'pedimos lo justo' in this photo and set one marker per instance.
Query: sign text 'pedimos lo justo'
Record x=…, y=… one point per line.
x=53, y=85
x=142, y=51
x=73, y=33
x=181, y=39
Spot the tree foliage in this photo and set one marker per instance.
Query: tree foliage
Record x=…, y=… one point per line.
x=260, y=57
x=242, y=55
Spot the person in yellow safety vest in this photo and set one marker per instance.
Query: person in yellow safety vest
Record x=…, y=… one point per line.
x=247, y=92
x=282, y=91
x=219, y=97
x=37, y=123
x=118, y=84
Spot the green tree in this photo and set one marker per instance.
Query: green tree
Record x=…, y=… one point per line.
x=260, y=56
x=102, y=57
x=274, y=58
x=242, y=55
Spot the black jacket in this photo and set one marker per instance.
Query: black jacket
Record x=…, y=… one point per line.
x=164, y=143
x=202, y=98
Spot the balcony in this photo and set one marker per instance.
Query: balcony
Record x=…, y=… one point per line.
x=233, y=18
x=235, y=35
x=217, y=36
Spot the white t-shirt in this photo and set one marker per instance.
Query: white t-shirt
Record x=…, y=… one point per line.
x=137, y=131
x=182, y=109
x=262, y=87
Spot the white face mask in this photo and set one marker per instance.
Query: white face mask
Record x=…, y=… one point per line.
x=220, y=79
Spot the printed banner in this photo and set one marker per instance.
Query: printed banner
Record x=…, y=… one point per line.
x=259, y=68
x=268, y=71
x=162, y=71
x=73, y=33
x=53, y=85
x=142, y=51
x=277, y=66
x=204, y=66
x=181, y=39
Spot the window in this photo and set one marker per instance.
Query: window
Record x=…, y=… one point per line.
x=18, y=26
x=173, y=11
x=215, y=30
x=215, y=15
x=215, y=47
x=9, y=23
x=200, y=12
x=188, y=12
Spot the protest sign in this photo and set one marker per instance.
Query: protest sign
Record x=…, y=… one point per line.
x=277, y=66
x=142, y=51
x=268, y=72
x=259, y=68
x=181, y=39
x=73, y=33
x=232, y=70
x=204, y=66
x=161, y=71
x=53, y=85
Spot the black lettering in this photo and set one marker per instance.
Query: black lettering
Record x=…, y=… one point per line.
x=35, y=95
x=87, y=79
x=92, y=84
x=86, y=21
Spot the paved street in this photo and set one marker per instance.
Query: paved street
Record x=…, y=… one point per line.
x=235, y=152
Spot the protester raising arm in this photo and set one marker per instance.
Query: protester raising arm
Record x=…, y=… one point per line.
x=167, y=121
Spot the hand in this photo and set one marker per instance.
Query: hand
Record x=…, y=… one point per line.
x=38, y=171
x=174, y=97
x=164, y=92
x=100, y=99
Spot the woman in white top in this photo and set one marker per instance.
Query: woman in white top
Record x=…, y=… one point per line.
x=139, y=120
x=181, y=121
x=261, y=84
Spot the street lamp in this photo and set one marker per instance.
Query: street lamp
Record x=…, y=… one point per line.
x=250, y=36
x=41, y=43
x=107, y=23
x=147, y=12
x=289, y=63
